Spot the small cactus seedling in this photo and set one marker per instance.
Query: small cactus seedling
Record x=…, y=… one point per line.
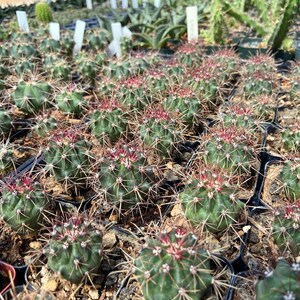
x=209, y=199
x=74, y=249
x=43, y=12
x=71, y=100
x=171, y=266
x=280, y=284
x=158, y=131
x=31, y=96
x=68, y=157
x=258, y=83
x=228, y=147
x=133, y=93
x=108, y=122
x=290, y=178
x=23, y=203
x=189, y=55
x=285, y=228
x=183, y=102
x=291, y=137
x=125, y=176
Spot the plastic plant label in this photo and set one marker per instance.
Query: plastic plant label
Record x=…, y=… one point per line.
x=54, y=30
x=89, y=4
x=192, y=23
x=145, y=3
x=114, y=48
x=157, y=3
x=124, y=4
x=78, y=36
x=113, y=4
x=116, y=29
x=135, y=4
x=126, y=32
x=22, y=20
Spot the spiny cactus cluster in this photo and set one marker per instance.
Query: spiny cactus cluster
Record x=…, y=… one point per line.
x=74, y=248
x=209, y=199
x=172, y=266
x=125, y=175
x=285, y=228
x=291, y=137
x=23, y=203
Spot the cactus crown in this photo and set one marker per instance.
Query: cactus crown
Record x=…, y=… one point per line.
x=109, y=105
x=20, y=185
x=229, y=134
x=182, y=92
x=157, y=113
x=133, y=82
x=291, y=212
x=64, y=137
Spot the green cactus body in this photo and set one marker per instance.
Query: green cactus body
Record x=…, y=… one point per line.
x=4, y=72
x=158, y=131
x=290, y=178
x=174, y=72
x=22, y=204
x=189, y=55
x=263, y=107
x=57, y=68
x=291, y=137
x=87, y=66
x=30, y=97
x=44, y=125
x=239, y=115
x=24, y=65
x=68, y=157
x=109, y=122
x=139, y=63
x=74, y=249
x=106, y=87
x=280, y=284
x=49, y=45
x=260, y=62
x=157, y=82
x=184, y=103
x=4, y=53
x=258, y=83
x=5, y=122
x=209, y=200
x=285, y=228
x=125, y=176
x=67, y=43
x=229, y=148
x=133, y=93
x=43, y=12
x=23, y=51
x=97, y=39
x=71, y=101
x=172, y=267
x=118, y=69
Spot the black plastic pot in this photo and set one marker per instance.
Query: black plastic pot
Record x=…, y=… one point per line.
x=251, y=46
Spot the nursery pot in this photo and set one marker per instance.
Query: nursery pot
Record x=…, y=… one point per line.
x=250, y=47
x=7, y=273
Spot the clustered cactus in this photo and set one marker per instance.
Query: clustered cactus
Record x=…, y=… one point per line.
x=172, y=266
x=23, y=203
x=74, y=248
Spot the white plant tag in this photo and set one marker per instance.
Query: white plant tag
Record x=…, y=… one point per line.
x=135, y=4
x=126, y=32
x=54, y=30
x=192, y=23
x=116, y=31
x=145, y=3
x=124, y=4
x=78, y=36
x=111, y=50
x=22, y=21
x=113, y=4
x=157, y=3
x=89, y=4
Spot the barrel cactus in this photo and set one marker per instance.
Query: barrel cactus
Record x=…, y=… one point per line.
x=171, y=266
x=43, y=12
x=23, y=203
x=75, y=248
